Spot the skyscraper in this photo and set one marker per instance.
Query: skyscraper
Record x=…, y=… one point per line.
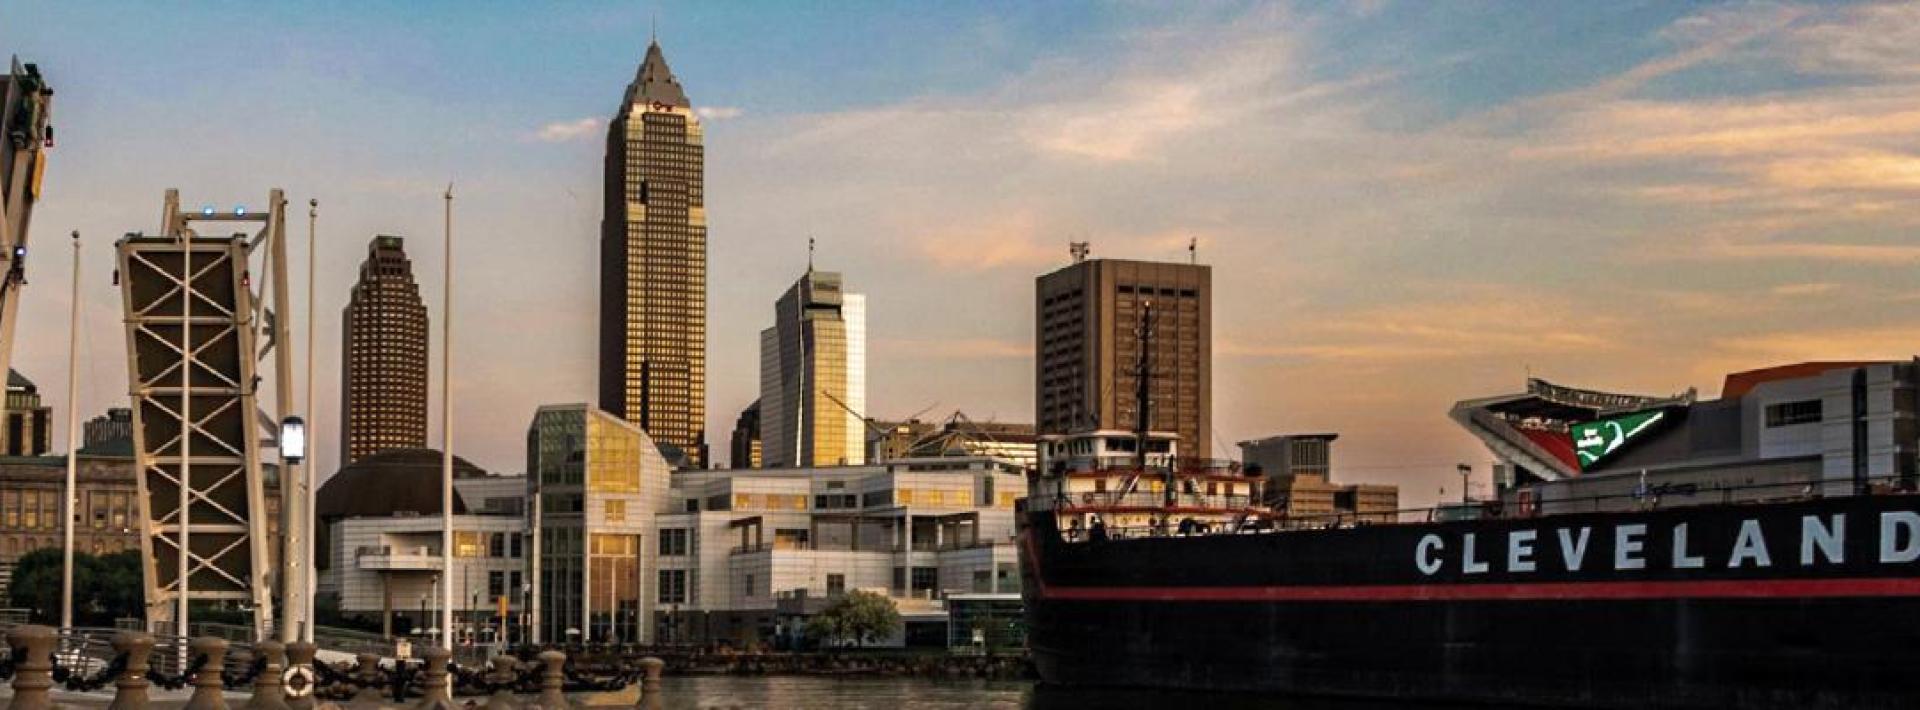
x=383, y=380
x=1087, y=318
x=653, y=263
x=813, y=376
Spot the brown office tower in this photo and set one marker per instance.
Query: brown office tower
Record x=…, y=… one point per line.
x=1087, y=322
x=383, y=381
x=653, y=264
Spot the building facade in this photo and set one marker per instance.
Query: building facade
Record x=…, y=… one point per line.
x=598, y=483
x=813, y=377
x=383, y=391
x=107, y=509
x=1822, y=427
x=113, y=430
x=29, y=426
x=747, y=554
x=378, y=550
x=1298, y=471
x=653, y=256
x=1088, y=317
x=744, y=449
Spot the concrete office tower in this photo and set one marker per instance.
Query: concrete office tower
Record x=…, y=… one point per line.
x=745, y=447
x=1087, y=322
x=813, y=376
x=383, y=380
x=653, y=264
x=599, y=482
x=29, y=425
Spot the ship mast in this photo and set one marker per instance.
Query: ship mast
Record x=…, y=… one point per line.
x=1143, y=400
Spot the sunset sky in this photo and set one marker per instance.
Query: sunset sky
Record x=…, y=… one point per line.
x=1405, y=203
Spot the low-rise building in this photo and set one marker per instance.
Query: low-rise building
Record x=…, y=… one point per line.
x=1299, y=480
x=107, y=509
x=747, y=554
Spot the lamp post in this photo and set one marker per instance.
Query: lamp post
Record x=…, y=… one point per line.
x=446, y=428
x=1466, y=473
x=293, y=451
x=312, y=528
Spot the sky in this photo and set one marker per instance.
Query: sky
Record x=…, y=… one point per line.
x=1405, y=204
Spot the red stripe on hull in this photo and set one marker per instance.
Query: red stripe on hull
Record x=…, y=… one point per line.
x=1707, y=589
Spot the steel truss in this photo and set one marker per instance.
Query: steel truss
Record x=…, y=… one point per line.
x=25, y=105
x=198, y=332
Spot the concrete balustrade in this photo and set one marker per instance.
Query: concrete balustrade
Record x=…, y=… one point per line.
x=553, y=681
x=505, y=670
x=436, y=688
x=209, y=689
x=650, y=695
x=130, y=690
x=268, y=691
x=32, y=667
x=300, y=655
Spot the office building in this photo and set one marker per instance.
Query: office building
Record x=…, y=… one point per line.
x=29, y=429
x=383, y=392
x=598, y=482
x=653, y=263
x=744, y=450
x=111, y=431
x=813, y=367
x=1299, y=481
x=108, y=512
x=1088, y=318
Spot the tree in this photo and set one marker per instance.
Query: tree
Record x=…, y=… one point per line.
x=105, y=587
x=860, y=617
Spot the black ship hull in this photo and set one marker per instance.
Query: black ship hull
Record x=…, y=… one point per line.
x=1806, y=604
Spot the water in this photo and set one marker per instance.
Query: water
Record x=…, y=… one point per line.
x=725, y=692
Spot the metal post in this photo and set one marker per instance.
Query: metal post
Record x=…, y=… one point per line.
x=446, y=430
x=71, y=499
x=313, y=458
x=186, y=441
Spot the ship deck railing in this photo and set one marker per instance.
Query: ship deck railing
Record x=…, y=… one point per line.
x=1642, y=499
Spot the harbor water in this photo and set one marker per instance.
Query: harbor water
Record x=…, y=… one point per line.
x=704, y=692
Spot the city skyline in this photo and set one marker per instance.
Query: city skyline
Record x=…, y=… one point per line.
x=1398, y=217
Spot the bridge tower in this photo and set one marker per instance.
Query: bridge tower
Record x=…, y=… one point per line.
x=200, y=330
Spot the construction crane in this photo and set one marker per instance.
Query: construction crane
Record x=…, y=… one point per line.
x=25, y=135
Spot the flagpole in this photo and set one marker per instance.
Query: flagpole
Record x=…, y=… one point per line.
x=313, y=457
x=73, y=448
x=446, y=432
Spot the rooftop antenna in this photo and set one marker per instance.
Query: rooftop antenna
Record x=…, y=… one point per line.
x=653, y=31
x=1193, y=250
x=809, y=255
x=1079, y=250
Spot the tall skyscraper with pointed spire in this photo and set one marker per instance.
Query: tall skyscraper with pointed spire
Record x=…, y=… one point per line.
x=653, y=263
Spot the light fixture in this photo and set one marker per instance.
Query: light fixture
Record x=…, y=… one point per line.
x=293, y=439
x=207, y=211
x=240, y=210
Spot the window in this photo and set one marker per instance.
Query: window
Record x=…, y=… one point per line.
x=750, y=588
x=982, y=581
x=1791, y=413
x=616, y=511
x=836, y=585
x=496, y=584
x=513, y=545
x=899, y=579
x=925, y=578
x=673, y=541
x=673, y=586
x=467, y=543
x=497, y=545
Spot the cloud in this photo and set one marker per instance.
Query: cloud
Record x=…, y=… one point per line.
x=1804, y=289
x=564, y=131
x=952, y=348
x=718, y=113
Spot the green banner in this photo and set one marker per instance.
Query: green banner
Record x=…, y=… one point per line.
x=1596, y=440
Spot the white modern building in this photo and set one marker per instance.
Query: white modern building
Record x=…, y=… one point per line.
x=380, y=550
x=746, y=548
x=597, y=484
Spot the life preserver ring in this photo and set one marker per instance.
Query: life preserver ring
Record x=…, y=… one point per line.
x=297, y=681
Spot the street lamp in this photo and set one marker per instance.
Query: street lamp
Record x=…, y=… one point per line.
x=1466, y=473
x=293, y=440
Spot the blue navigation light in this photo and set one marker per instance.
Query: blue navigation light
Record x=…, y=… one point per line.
x=207, y=210
x=240, y=210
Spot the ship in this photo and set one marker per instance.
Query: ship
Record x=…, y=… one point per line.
x=1146, y=569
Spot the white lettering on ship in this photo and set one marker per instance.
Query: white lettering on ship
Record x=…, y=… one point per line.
x=1823, y=541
